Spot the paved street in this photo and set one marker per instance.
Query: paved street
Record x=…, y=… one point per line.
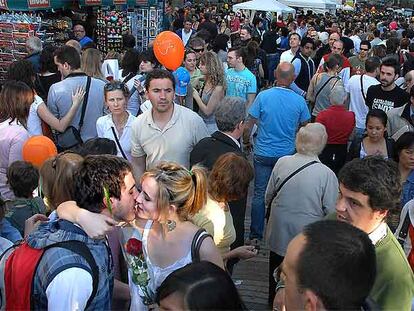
x=253, y=273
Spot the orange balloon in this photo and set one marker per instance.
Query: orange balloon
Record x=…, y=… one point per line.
x=37, y=149
x=169, y=50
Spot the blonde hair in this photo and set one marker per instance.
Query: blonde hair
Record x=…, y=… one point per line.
x=91, y=63
x=214, y=67
x=185, y=189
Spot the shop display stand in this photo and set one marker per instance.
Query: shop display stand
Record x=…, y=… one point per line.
x=111, y=25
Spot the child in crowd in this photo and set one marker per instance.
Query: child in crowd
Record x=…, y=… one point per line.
x=23, y=178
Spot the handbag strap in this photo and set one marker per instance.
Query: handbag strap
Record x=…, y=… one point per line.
x=198, y=239
x=402, y=235
x=85, y=102
x=287, y=179
x=323, y=86
x=118, y=143
x=362, y=89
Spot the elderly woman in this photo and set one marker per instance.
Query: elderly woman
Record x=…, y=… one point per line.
x=301, y=190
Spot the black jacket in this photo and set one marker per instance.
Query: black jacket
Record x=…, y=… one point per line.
x=209, y=149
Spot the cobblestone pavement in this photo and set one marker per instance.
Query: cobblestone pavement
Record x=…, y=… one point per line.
x=253, y=274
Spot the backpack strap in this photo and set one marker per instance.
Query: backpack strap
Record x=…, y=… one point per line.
x=362, y=89
x=198, y=239
x=20, y=269
x=82, y=250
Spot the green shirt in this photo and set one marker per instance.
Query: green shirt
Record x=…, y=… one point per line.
x=394, y=284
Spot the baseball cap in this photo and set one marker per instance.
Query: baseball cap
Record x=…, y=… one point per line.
x=182, y=78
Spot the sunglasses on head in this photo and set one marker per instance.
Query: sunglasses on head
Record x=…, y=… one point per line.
x=114, y=86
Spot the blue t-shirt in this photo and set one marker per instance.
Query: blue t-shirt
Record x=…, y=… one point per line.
x=240, y=83
x=85, y=40
x=279, y=112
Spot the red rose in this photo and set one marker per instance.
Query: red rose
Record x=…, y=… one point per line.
x=133, y=247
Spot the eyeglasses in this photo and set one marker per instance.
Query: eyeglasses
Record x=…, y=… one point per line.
x=198, y=50
x=112, y=86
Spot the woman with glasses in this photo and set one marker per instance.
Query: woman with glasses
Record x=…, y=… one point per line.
x=212, y=91
x=117, y=125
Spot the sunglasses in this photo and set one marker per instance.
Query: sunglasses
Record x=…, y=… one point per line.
x=364, y=49
x=114, y=86
x=198, y=50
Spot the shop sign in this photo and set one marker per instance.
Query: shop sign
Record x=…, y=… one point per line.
x=120, y=2
x=93, y=2
x=3, y=4
x=34, y=4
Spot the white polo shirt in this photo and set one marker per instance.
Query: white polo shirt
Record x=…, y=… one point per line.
x=172, y=143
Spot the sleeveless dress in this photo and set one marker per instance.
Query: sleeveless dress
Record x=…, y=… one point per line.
x=210, y=121
x=156, y=274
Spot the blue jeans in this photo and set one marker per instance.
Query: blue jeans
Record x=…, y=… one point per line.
x=272, y=62
x=263, y=167
x=359, y=133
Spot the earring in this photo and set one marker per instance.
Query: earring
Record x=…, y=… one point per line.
x=171, y=224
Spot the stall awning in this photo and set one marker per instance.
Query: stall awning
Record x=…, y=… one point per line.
x=30, y=5
x=130, y=3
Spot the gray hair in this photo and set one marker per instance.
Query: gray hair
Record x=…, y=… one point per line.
x=338, y=96
x=311, y=139
x=230, y=111
x=34, y=44
x=75, y=44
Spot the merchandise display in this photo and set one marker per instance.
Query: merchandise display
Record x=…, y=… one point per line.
x=111, y=25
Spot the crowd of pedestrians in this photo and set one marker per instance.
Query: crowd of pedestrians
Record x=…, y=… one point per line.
x=124, y=185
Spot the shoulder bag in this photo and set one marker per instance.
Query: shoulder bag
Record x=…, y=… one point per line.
x=323, y=86
x=71, y=137
x=362, y=89
x=118, y=143
x=284, y=182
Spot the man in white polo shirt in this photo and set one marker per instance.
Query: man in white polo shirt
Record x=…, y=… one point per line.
x=294, y=43
x=167, y=132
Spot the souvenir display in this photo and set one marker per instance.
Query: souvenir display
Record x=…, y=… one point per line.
x=111, y=25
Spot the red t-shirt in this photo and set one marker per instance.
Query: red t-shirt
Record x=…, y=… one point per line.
x=339, y=124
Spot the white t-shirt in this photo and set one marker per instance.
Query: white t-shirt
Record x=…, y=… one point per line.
x=34, y=124
x=69, y=290
x=357, y=102
x=287, y=56
x=185, y=36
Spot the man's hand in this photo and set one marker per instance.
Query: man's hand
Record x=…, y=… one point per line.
x=31, y=223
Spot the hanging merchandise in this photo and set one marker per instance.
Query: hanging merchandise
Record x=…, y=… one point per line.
x=14, y=31
x=146, y=23
x=111, y=25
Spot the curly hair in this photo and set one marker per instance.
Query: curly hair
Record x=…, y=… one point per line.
x=15, y=98
x=185, y=189
x=375, y=177
x=229, y=178
x=95, y=173
x=214, y=67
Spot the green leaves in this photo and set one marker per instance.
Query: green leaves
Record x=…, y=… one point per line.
x=107, y=198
